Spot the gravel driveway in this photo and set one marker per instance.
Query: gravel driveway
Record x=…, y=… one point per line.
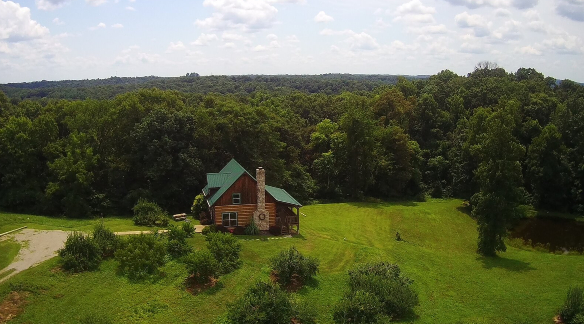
x=37, y=246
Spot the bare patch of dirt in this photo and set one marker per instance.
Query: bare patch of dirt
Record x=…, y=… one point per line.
x=12, y=306
x=294, y=285
x=196, y=288
x=557, y=319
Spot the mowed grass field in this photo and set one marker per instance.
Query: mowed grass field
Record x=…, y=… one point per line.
x=455, y=285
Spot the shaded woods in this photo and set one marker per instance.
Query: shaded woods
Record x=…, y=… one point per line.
x=430, y=136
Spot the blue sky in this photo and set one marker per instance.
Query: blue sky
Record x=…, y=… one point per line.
x=87, y=39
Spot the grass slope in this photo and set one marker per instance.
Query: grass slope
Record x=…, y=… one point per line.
x=8, y=251
x=454, y=284
x=9, y=221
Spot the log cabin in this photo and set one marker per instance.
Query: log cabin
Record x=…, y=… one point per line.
x=235, y=197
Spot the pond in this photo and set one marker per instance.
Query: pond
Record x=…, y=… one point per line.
x=557, y=234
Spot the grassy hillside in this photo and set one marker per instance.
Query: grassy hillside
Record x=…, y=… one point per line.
x=454, y=284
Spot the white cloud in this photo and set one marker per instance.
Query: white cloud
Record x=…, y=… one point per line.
x=564, y=44
x=358, y=41
x=16, y=24
x=432, y=29
x=292, y=39
x=50, y=4
x=322, y=17
x=130, y=8
x=500, y=12
x=228, y=45
x=473, y=4
x=205, y=39
x=524, y=4
x=117, y=26
x=479, y=25
x=272, y=37
x=227, y=36
x=509, y=31
x=100, y=25
x=414, y=12
x=528, y=50
x=175, y=47
x=260, y=48
x=58, y=21
x=96, y=3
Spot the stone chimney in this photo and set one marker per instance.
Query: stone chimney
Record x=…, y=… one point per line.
x=261, y=215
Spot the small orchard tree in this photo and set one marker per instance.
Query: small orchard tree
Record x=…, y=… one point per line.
x=290, y=263
x=572, y=312
x=81, y=253
x=149, y=214
x=225, y=248
x=141, y=255
x=199, y=206
x=263, y=303
x=176, y=244
x=106, y=240
x=202, y=265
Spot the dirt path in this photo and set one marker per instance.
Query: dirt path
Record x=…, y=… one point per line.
x=37, y=246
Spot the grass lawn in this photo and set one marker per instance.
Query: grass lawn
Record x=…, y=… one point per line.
x=453, y=282
x=10, y=221
x=8, y=251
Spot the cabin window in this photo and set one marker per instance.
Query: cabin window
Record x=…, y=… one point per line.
x=229, y=219
x=236, y=198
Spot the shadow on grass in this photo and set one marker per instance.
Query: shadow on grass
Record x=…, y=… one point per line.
x=382, y=204
x=409, y=317
x=504, y=263
x=215, y=289
x=465, y=210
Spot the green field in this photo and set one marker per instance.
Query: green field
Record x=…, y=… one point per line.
x=453, y=282
x=8, y=250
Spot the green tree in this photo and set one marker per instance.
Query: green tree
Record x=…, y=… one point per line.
x=500, y=179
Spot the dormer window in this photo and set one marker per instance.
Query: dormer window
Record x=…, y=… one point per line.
x=236, y=198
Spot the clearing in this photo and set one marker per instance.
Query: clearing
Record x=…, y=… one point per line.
x=453, y=282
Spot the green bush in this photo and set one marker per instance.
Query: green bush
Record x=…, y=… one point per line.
x=106, y=239
x=188, y=228
x=141, y=255
x=360, y=307
x=289, y=263
x=573, y=306
x=263, y=303
x=304, y=313
x=202, y=265
x=252, y=229
x=225, y=248
x=210, y=229
x=81, y=253
x=199, y=206
x=384, y=280
x=177, y=242
x=147, y=213
x=578, y=319
x=94, y=318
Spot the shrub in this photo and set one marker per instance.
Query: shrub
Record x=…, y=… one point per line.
x=263, y=303
x=225, y=248
x=106, y=240
x=149, y=214
x=290, y=262
x=80, y=253
x=202, y=265
x=360, y=307
x=573, y=306
x=304, y=313
x=199, y=206
x=210, y=229
x=385, y=282
x=177, y=242
x=141, y=256
x=252, y=228
x=188, y=228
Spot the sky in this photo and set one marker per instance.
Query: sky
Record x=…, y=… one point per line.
x=89, y=39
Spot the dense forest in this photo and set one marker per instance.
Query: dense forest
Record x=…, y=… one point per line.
x=193, y=83
x=91, y=150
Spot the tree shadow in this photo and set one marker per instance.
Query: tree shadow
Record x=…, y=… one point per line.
x=310, y=283
x=298, y=237
x=465, y=210
x=382, y=204
x=409, y=317
x=504, y=263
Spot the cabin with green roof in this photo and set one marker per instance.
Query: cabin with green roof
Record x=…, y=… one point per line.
x=235, y=197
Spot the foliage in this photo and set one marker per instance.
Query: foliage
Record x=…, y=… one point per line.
x=141, y=255
x=263, y=303
x=80, y=253
x=360, y=307
x=290, y=263
x=225, y=248
x=381, y=281
x=252, y=228
x=202, y=265
x=209, y=229
x=573, y=306
x=149, y=214
x=199, y=206
x=106, y=240
x=176, y=244
x=188, y=228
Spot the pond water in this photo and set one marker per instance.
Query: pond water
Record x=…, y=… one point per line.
x=558, y=234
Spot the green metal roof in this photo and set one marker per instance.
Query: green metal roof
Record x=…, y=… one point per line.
x=216, y=180
x=233, y=171
x=282, y=196
x=206, y=190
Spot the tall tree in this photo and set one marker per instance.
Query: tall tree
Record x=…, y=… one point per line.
x=500, y=179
